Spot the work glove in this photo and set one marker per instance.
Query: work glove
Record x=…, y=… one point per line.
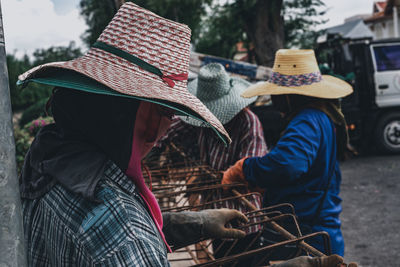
x=214, y=221
x=234, y=174
x=324, y=261
x=189, y=227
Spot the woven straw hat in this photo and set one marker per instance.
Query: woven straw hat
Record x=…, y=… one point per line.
x=297, y=72
x=139, y=55
x=219, y=92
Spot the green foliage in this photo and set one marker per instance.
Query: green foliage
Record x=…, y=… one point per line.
x=183, y=11
x=34, y=126
x=217, y=26
x=220, y=32
x=24, y=137
x=98, y=13
x=56, y=53
x=226, y=25
x=35, y=111
x=22, y=143
x=301, y=17
x=33, y=93
x=21, y=99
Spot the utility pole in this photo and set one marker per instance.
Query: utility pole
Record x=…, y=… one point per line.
x=12, y=247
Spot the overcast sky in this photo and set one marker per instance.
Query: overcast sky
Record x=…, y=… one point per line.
x=32, y=24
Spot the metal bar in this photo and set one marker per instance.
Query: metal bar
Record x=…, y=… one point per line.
x=282, y=230
x=290, y=206
x=12, y=250
x=200, y=189
x=192, y=255
x=273, y=219
x=208, y=203
x=197, y=177
x=205, y=249
x=247, y=254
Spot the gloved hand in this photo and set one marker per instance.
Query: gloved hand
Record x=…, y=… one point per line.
x=234, y=174
x=214, y=221
x=189, y=227
x=325, y=261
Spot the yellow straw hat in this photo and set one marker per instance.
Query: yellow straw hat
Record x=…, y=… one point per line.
x=296, y=72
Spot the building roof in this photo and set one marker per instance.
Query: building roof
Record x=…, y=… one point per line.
x=355, y=29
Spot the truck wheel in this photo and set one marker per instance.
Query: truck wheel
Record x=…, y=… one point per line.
x=388, y=133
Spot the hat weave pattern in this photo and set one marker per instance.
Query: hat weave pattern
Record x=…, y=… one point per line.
x=296, y=71
x=160, y=42
x=219, y=92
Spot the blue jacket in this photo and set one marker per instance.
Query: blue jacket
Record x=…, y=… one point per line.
x=297, y=171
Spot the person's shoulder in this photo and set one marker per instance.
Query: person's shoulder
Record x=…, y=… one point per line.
x=246, y=117
x=310, y=114
x=120, y=219
x=309, y=118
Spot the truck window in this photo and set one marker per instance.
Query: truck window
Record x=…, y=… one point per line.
x=387, y=57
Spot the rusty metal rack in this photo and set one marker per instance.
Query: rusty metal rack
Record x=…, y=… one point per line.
x=182, y=184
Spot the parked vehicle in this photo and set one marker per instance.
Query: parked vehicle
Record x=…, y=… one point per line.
x=373, y=68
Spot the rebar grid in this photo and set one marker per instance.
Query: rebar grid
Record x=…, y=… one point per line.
x=183, y=184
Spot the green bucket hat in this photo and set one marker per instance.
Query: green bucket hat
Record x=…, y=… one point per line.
x=219, y=92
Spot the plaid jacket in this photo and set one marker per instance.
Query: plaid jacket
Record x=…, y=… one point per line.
x=64, y=229
x=245, y=130
x=247, y=136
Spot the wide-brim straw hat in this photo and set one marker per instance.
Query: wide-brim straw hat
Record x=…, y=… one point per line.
x=139, y=55
x=219, y=92
x=297, y=72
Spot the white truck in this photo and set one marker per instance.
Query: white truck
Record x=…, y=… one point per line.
x=373, y=110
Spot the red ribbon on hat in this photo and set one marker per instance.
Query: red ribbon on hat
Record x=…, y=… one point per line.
x=169, y=79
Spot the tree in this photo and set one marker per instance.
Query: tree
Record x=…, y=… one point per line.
x=33, y=93
x=265, y=25
x=217, y=26
x=301, y=17
x=56, y=53
x=98, y=13
x=219, y=32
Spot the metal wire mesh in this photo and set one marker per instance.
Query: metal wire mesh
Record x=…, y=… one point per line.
x=272, y=233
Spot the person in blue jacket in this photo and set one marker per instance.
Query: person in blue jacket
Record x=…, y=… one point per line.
x=302, y=168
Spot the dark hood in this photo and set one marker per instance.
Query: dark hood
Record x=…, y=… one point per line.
x=89, y=130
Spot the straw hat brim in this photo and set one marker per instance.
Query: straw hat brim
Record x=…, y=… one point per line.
x=224, y=108
x=329, y=87
x=128, y=80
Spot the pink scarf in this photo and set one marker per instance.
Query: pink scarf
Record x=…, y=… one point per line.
x=140, y=145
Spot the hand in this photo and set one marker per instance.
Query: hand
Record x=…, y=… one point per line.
x=234, y=174
x=214, y=221
x=305, y=261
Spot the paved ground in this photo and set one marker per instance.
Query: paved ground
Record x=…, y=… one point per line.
x=371, y=210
